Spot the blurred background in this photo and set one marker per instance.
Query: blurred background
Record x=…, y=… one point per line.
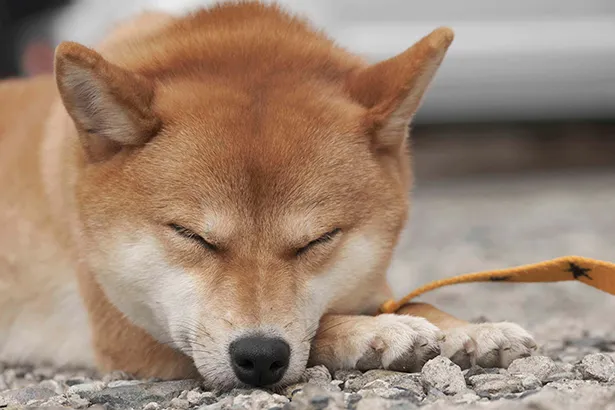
x=527, y=85
x=514, y=146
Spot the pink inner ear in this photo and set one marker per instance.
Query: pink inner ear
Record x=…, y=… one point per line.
x=37, y=58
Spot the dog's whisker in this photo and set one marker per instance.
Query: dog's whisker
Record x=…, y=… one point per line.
x=333, y=326
x=327, y=329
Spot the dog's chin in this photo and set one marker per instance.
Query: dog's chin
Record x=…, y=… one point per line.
x=224, y=381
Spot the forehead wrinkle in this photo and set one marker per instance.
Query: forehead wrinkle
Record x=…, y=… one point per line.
x=303, y=198
x=271, y=153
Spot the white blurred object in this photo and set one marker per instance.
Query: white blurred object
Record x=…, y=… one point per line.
x=523, y=60
x=87, y=21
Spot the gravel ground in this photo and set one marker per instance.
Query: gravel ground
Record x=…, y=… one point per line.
x=457, y=227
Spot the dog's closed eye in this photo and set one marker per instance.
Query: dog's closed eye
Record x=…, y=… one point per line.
x=189, y=234
x=325, y=238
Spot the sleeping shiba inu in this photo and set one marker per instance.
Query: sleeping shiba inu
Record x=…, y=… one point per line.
x=218, y=195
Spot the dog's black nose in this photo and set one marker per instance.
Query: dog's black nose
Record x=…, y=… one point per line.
x=258, y=360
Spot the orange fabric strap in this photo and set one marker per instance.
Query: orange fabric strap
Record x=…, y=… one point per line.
x=598, y=274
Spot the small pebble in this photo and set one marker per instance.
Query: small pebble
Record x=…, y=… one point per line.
x=76, y=401
x=530, y=382
x=196, y=398
x=540, y=366
x=442, y=374
x=180, y=404
x=86, y=388
x=598, y=366
x=52, y=385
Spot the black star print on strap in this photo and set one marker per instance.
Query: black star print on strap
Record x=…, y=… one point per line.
x=578, y=271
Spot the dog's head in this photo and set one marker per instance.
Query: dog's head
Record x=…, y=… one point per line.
x=233, y=193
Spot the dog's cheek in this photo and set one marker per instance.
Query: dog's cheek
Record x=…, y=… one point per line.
x=152, y=293
x=353, y=265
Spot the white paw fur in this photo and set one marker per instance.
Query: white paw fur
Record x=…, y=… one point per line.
x=398, y=342
x=487, y=344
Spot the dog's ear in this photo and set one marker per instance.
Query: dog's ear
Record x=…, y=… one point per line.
x=110, y=106
x=392, y=89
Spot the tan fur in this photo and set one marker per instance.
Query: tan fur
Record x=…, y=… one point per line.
x=245, y=126
x=439, y=318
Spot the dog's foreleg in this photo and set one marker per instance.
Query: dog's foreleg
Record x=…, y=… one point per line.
x=484, y=344
x=389, y=341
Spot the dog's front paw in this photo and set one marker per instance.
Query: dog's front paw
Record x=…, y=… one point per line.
x=397, y=342
x=487, y=344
